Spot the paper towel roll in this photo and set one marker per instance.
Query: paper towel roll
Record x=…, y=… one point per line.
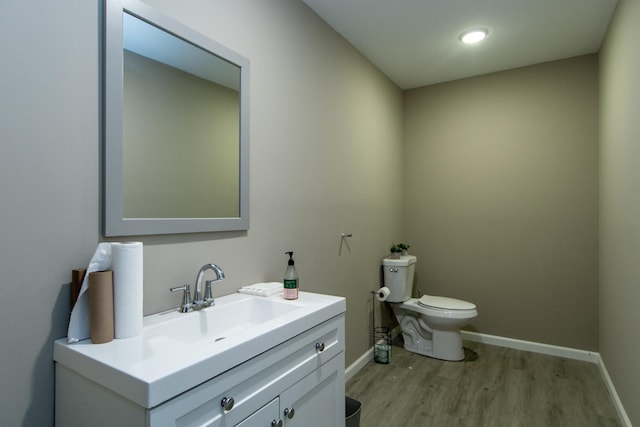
x=127, y=288
x=101, y=306
x=383, y=293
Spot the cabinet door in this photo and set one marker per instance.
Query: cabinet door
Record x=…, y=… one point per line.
x=267, y=416
x=317, y=400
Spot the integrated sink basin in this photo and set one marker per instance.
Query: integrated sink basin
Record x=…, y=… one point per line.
x=235, y=315
x=178, y=351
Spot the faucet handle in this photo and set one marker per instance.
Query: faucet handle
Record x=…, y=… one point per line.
x=186, y=305
x=208, y=296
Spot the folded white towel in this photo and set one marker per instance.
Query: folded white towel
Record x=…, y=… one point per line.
x=262, y=289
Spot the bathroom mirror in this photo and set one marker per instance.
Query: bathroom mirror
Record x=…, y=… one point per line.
x=176, y=120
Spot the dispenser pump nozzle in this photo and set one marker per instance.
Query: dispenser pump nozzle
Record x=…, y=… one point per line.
x=291, y=262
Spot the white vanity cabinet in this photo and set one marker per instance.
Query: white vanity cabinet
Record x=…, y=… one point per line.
x=299, y=382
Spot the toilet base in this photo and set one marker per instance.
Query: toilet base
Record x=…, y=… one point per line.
x=441, y=341
x=443, y=345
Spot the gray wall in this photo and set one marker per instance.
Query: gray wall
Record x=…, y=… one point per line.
x=500, y=202
x=325, y=144
x=620, y=205
x=48, y=189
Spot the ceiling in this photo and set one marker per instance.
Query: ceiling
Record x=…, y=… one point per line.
x=416, y=42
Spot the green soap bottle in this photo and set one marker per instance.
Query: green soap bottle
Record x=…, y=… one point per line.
x=290, y=281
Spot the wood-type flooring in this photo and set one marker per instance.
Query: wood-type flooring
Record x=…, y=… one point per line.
x=493, y=386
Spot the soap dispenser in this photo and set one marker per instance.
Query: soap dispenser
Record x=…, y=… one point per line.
x=290, y=279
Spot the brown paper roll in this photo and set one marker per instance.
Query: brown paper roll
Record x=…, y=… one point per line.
x=77, y=276
x=101, y=306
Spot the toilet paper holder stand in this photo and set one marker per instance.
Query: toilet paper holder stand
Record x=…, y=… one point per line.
x=380, y=336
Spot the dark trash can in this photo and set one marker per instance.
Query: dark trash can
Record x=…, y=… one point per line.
x=352, y=409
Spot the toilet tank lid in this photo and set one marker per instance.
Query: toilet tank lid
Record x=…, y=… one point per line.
x=403, y=261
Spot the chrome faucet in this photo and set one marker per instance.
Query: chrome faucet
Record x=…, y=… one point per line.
x=198, y=301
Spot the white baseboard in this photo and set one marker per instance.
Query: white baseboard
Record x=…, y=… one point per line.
x=356, y=366
x=622, y=414
x=534, y=347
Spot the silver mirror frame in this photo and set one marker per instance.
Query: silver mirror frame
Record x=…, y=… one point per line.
x=114, y=223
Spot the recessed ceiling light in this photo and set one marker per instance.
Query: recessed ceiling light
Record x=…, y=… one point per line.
x=473, y=36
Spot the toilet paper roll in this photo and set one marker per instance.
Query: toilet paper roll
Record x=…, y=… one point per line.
x=382, y=352
x=383, y=293
x=101, y=306
x=127, y=288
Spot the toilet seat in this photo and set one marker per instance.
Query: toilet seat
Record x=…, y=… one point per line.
x=444, y=303
x=413, y=304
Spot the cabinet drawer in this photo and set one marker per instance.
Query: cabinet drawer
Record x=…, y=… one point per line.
x=268, y=415
x=254, y=383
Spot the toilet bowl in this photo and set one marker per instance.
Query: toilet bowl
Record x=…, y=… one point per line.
x=430, y=325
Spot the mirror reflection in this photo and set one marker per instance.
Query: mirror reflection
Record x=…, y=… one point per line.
x=180, y=127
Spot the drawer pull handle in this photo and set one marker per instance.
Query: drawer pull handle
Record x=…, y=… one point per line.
x=275, y=423
x=319, y=347
x=227, y=403
x=289, y=412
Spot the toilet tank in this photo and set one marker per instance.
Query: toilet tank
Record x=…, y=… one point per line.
x=398, y=277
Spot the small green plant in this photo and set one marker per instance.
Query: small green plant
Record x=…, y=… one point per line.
x=395, y=249
x=403, y=246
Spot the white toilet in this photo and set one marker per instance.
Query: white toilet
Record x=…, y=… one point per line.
x=430, y=325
